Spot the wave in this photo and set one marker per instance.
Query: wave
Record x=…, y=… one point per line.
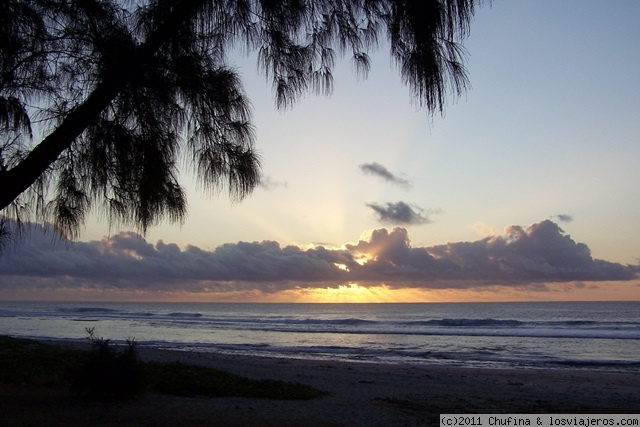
x=158, y=317
x=88, y=310
x=410, y=356
x=348, y=321
x=452, y=327
x=469, y=323
x=559, y=336
x=185, y=315
x=357, y=326
x=96, y=313
x=466, y=323
x=531, y=333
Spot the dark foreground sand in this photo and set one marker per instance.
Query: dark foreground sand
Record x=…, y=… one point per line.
x=359, y=394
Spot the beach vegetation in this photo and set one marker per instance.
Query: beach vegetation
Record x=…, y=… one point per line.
x=108, y=372
x=30, y=363
x=35, y=363
x=102, y=100
x=182, y=379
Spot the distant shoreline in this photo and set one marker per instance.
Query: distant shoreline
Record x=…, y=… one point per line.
x=359, y=394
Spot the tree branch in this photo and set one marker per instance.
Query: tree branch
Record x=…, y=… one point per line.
x=15, y=181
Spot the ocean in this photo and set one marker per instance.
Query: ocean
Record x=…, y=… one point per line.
x=559, y=335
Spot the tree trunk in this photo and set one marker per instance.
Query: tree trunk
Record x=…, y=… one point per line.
x=18, y=179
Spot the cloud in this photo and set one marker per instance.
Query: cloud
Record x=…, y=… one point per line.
x=268, y=184
x=483, y=229
x=541, y=253
x=400, y=213
x=381, y=171
x=563, y=218
x=128, y=261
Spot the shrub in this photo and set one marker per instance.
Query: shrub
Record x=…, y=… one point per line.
x=108, y=374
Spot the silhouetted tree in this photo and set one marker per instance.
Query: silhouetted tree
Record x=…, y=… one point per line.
x=121, y=90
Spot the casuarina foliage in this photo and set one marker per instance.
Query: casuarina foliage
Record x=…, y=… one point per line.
x=101, y=101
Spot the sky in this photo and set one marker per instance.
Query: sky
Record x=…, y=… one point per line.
x=525, y=189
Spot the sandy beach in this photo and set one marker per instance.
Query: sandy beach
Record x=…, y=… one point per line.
x=358, y=394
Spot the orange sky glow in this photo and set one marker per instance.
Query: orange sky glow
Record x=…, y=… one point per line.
x=352, y=293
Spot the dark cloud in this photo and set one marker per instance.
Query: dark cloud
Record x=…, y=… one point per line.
x=541, y=252
x=532, y=256
x=128, y=261
x=380, y=171
x=399, y=213
x=563, y=218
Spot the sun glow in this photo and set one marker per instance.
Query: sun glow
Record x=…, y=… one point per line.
x=354, y=293
x=341, y=266
x=351, y=292
x=363, y=259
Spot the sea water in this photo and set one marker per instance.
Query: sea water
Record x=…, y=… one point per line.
x=565, y=335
